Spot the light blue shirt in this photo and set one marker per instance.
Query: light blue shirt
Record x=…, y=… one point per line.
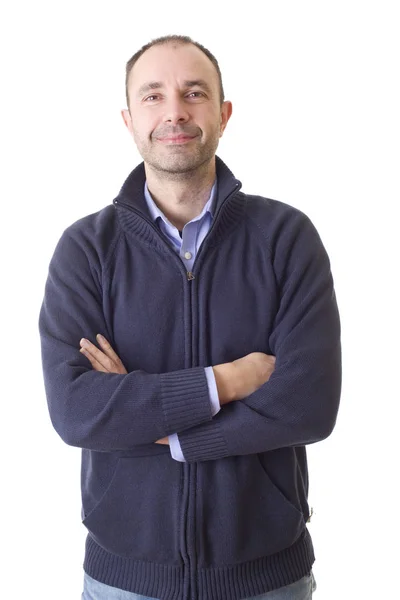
x=187, y=247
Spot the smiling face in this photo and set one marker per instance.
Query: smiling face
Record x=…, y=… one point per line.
x=175, y=117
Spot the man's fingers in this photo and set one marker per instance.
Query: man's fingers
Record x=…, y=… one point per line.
x=98, y=355
x=106, y=357
x=108, y=349
x=95, y=363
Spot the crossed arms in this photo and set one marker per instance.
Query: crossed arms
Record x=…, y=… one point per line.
x=112, y=410
x=234, y=380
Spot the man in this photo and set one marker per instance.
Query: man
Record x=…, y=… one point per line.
x=191, y=348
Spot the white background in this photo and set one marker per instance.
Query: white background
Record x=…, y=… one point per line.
x=314, y=87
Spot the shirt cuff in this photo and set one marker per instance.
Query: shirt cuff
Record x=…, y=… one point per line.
x=175, y=447
x=213, y=391
x=174, y=443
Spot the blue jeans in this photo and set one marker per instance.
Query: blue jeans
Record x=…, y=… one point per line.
x=301, y=590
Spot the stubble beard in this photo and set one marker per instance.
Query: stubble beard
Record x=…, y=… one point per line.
x=178, y=162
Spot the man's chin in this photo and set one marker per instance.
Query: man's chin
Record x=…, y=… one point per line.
x=176, y=164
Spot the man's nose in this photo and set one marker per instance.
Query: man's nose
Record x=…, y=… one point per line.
x=176, y=111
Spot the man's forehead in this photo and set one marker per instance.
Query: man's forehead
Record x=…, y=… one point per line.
x=186, y=64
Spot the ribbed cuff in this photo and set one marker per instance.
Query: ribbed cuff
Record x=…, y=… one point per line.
x=185, y=399
x=204, y=442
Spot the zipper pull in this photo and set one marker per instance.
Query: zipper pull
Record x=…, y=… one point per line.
x=190, y=276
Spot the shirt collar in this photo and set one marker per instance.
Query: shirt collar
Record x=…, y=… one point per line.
x=156, y=213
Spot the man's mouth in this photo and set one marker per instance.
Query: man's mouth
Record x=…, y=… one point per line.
x=176, y=139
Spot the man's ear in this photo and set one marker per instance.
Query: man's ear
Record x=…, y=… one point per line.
x=127, y=119
x=226, y=112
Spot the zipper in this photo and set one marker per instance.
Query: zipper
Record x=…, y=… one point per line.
x=190, y=590
x=189, y=507
x=183, y=535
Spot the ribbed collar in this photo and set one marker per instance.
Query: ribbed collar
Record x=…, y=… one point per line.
x=139, y=221
x=132, y=191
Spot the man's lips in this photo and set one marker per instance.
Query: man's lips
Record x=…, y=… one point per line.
x=176, y=139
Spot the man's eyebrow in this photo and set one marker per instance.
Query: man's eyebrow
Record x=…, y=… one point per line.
x=155, y=85
x=198, y=82
x=151, y=85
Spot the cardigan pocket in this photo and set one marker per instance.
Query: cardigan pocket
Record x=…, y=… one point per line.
x=137, y=516
x=241, y=514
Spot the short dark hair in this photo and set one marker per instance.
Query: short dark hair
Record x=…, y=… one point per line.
x=167, y=39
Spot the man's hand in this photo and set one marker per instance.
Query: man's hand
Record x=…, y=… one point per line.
x=242, y=377
x=107, y=361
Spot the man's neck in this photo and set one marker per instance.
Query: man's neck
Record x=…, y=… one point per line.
x=181, y=197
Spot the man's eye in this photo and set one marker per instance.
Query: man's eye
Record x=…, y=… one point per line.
x=151, y=97
x=199, y=93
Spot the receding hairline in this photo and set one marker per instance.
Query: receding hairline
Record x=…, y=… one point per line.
x=173, y=44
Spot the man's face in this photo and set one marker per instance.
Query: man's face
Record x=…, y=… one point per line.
x=176, y=117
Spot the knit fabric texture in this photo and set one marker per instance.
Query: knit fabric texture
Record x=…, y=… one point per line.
x=230, y=522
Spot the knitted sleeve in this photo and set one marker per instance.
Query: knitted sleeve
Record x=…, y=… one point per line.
x=95, y=410
x=299, y=403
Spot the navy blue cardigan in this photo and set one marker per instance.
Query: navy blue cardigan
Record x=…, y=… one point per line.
x=231, y=522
